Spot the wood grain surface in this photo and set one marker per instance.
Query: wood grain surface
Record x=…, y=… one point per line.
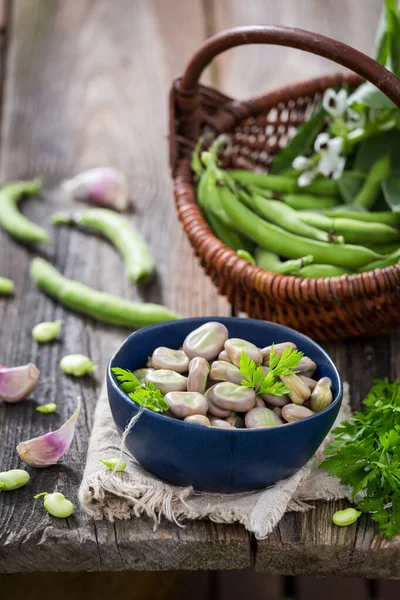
x=85, y=84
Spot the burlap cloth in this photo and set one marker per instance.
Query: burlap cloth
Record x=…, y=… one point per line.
x=136, y=491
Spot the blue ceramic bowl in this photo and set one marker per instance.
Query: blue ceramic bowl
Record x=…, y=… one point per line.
x=210, y=459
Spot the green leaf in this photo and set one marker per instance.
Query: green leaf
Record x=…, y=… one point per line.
x=393, y=35
x=391, y=192
x=381, y=46
x=367, y=94
x=350, y=183
x=301, y=142
x=145, y=394
x=372, y=149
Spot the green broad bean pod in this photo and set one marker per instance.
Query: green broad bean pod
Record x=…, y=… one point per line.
x=102, y=306
x=309, y=201
x=289, y=245
x=246, y=256
x=388, y=261
x=354, y=232
x=284, y=184
x=12, y=220
x=385, y=217
x=121, y=233
x=383, y=249
x=6, y=286
x=372, y=186
x=271, y=262
x=315, y=271
x=207, y=195
x=280, y=214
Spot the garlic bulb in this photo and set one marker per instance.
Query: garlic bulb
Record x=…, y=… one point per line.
x=47, y=449
x=103, y=186
x=17, y=383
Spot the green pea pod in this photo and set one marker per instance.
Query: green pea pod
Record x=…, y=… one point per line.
x=272, y=263
x=393, y=259
x=372, y=186
x=246, y=256
x=280, y=214
x=289, y=245
x=102, y=306
x=309, y=201
x=385, y=217
x=383, y=249
x=120, y=232
x=354, y=232
x=315, y=271
x=12, y=220
x=6, y=286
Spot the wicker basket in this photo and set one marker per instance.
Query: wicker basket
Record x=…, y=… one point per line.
x=332, y=308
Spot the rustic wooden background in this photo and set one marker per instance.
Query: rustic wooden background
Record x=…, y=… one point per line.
x=85, y=82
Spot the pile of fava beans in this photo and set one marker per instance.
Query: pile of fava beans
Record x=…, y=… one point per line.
x=202, y=383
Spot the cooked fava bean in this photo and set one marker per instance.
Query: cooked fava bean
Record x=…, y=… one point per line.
x=183, y=404
x=292, y=412
x=278, y=348
x=220, y=424
x=167, y=358
x=306, y=367
x=321, y=396
x=167, y=381
x=235, y=421
x=198, y=420
x=223, y=355
x=230, y=396
x=142, y=374
x=308, y=381
x=277, y=411
x=235, y=347
x=215, y=410
x=199, y=369
x=224, y=371
x=260, y=402
x=275, y=400
x=206, y=341
x=299, y=390
x=261, y=417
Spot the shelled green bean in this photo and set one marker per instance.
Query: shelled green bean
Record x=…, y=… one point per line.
x=6, y=286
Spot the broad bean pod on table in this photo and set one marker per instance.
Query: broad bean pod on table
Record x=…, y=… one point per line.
x=102, y=306
x=12, y=220
x=289, y=245
x=121, y=233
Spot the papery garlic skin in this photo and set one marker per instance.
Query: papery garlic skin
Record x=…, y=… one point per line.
x=47, y=449
x=17, y=383
x=103, y=186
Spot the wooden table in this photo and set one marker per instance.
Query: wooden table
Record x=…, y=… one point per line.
x=85, y=83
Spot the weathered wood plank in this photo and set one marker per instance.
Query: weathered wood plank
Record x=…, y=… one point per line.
x=87, y=85
x=331, y=588
x=310, y=543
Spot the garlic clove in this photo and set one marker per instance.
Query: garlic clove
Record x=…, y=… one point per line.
x=47, y=449
x=17, y=383
x=103, y=186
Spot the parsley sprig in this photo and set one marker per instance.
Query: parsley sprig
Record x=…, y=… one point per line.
x=365, y=455
x=279, y=365
x=145, y=394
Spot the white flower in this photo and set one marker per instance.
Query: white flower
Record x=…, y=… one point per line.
x=301, y=163
x=335, y=103
x=331, y=165
x=324, y=143
x=354, y=119
x=306, y=178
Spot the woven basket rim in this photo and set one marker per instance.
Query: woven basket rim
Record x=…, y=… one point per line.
x=358, y=285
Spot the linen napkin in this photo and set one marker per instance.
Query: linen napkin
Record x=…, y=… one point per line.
x=137, y=492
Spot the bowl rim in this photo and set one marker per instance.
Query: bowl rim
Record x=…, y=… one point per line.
x=200, y=320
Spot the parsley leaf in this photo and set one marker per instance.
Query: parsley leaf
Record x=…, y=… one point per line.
x=255, y=378
x=365, y=455
x=145, y=394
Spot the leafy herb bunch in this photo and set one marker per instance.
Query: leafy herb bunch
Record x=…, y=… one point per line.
x=145, y=394
x=365, y=455
x=279, y=365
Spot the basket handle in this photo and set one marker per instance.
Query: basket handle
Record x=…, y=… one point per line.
x=186, y=89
